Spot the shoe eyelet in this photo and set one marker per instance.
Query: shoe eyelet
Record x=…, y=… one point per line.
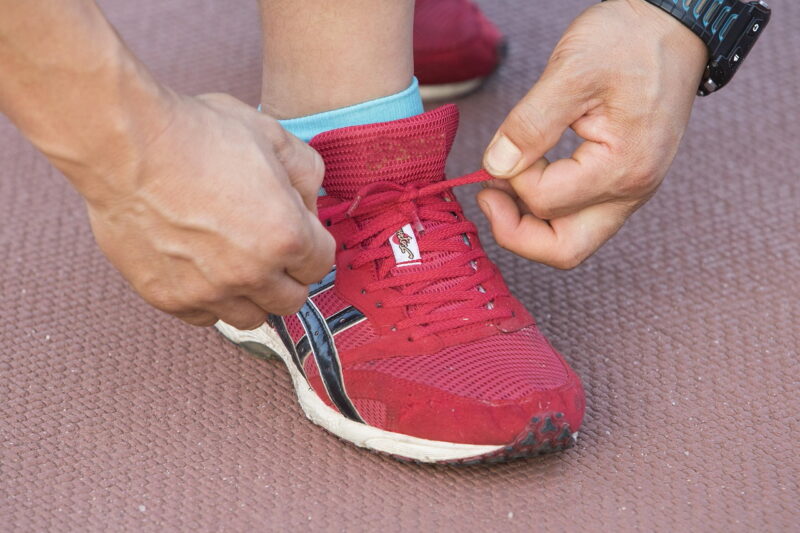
x=344, y=246
x=393, y=328
x=378, y=304
x=349, y=267
x=363, y=291
x=410, y=339
x=328, y=223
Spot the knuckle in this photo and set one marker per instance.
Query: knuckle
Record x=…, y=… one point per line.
x=568, y=48
x=303, y=163
x=540, y=209
x=560, y=55
x=291, y=304
x=291, y=242
x=279, y=137
x=250, y=278
x=202, y=293
x=638, y=183
x=526, y=125
x=165, y=302
x=569, y=259
x=238, y=276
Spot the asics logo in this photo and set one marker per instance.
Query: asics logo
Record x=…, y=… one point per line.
x=405, y=247
x=402, y=241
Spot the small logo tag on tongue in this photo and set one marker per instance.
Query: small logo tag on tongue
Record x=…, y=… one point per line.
x=405, y=248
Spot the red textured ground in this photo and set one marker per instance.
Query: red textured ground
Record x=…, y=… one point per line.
x=684, y=328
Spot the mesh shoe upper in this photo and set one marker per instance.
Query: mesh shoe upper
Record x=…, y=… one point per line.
x=499, y=367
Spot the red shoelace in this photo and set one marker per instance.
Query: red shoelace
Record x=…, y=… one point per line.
x=443, y=233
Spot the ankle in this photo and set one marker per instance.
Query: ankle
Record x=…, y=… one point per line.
x=292, y=100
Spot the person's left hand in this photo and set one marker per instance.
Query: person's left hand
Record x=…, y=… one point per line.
x=624, y=77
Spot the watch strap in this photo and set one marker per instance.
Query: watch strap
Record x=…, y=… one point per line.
x=711, y=20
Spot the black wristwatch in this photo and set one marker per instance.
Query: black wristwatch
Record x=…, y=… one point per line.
x=729, y=28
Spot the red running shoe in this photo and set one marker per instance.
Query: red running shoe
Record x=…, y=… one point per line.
x=413, y=345
x=455, y=48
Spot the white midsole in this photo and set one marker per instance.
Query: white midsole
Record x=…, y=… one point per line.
x=448, y=91
x=424, y=450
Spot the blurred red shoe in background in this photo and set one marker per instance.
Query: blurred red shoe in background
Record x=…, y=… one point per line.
x=455, y=48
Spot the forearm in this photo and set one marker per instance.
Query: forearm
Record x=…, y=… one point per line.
x=75, y=91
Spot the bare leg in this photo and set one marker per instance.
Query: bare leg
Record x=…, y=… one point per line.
x=321, y=54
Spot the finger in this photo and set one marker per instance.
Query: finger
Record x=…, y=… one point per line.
x=567, y=186
x=535, y=124
x=500, y=184
x=505, y=184
x=197, y=318
x=563, y=243
x=304, y=167
x=316, y=262
x=282, y=296
x=240, y=313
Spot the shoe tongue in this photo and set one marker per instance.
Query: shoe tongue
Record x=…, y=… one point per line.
x=411, y=150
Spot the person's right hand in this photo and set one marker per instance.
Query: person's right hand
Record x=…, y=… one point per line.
x=216, y=218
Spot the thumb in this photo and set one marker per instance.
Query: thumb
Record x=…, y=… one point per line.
x=534, y=126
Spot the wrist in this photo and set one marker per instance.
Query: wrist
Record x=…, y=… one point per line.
x=99, y=141
x=680, y=41
x=103, y=161
x=78, y=94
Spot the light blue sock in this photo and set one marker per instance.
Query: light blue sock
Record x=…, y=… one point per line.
x=404, y=104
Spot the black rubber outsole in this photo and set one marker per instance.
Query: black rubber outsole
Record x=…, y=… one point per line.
x=546, y=433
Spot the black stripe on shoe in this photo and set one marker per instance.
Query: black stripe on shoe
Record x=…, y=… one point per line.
x=338, y=322
x=326, y=356
x=324, y=284
x=278, y=324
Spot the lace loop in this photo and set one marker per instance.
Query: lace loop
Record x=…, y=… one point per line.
x=444, y=290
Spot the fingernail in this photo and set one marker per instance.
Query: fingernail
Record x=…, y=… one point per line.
x=503, y=156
